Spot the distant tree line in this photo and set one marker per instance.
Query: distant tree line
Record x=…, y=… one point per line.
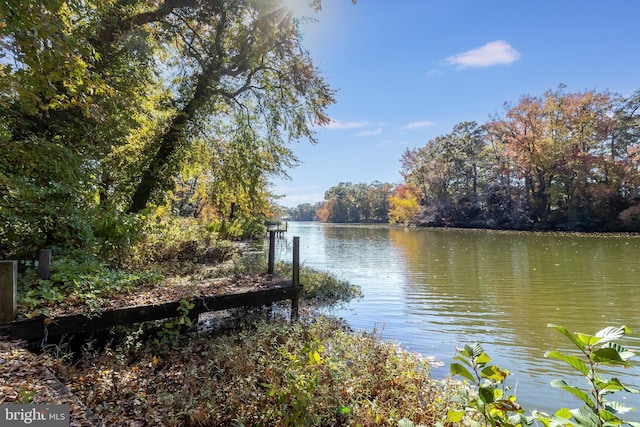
x=304, y=212
x=561, y=161
x=348, y=203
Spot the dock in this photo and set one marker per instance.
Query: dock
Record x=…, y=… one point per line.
x=277, y=227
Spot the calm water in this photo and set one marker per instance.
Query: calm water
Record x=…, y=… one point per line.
x=434, y=289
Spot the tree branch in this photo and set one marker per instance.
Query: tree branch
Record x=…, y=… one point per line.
x=109, y=33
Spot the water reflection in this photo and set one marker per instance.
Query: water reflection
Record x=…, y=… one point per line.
x=433, y=289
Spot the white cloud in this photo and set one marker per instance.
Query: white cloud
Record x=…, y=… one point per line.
x=434, y=73
x=421, y=124
x=374, y=132
x=494, y=53
x=337, y=124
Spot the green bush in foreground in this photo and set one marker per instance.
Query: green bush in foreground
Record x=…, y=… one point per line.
x=491, y=406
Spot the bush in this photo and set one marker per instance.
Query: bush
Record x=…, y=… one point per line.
x=321, y=288
x=237, y=229
x=75, y=281
x=313, y=373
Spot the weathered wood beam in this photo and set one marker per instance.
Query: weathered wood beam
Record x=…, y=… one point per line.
x=36, y=329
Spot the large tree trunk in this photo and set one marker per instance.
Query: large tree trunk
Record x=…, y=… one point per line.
x=151, y=175
x=171, y=142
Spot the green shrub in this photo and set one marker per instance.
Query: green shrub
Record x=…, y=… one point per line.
x=79, y=280
x=491, y=406
x=601, y=349
x=321, y=288
x=237, y=229
x=117, y=234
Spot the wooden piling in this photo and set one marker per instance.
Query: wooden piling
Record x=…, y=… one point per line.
x=8, y=291
x=296, y=276
x=44, y=262
x=272, y=250
x=296, y=260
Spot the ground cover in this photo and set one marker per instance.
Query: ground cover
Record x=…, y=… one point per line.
x=313, y=372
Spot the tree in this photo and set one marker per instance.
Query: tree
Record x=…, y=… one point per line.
x=304, y=212
x=556, y=161
x=236, y=62
x=465, y=150
x=123, y=93
x=564, y=150
x=449, y=171
x=347, y=202
x=403, y=205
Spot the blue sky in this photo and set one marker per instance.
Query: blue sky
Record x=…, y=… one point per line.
x=407, y=71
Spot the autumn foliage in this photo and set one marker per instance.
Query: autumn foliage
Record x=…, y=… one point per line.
x=564, y=161
x=403, y=205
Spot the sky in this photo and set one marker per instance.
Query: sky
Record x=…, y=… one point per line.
x=407, y=71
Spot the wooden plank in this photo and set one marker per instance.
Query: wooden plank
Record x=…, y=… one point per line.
x=8, y=290
x=36, y=329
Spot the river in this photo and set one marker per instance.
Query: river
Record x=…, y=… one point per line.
x=432, y=290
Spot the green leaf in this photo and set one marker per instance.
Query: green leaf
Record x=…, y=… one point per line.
x=344, y=410
x=569, y=335
x=563, y=413
x=474, y=350
x=458, y=369
x=574, y=390
x=560, y=422
x=617, y=408
x=609, y=355
x=494, y=373
x=612, y=333
x=486, y=394
x=572, y=361
x=483, y=359
x=588, y=340
x=608, y=417
x=584, y=418
x=611, y=386
x=463, y=359
x=625, y=353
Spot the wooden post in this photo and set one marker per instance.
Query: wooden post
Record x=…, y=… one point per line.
x=296, y=260
x=8, y=291
x=43, y=264
x=272, y=250
x=296, y=275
